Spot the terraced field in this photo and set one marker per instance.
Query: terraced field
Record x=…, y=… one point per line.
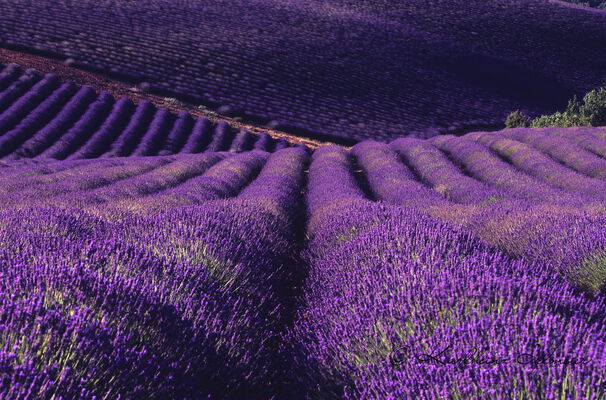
x=174, y=226
x=337, y=69
x=463, y=267
x=44, y=117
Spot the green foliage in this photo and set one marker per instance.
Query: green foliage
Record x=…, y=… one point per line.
x=592, y=112
x=600, y=4
x=517, y=119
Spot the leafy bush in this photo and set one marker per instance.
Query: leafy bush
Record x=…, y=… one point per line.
x=594, y=110
x=591, y=113
x=517, y=119
x=591, y=3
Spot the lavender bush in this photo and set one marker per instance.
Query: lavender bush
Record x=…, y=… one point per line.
x=457, y=267
x=398, y=305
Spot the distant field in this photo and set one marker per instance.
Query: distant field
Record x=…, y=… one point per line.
x=348, y=69
x=302, y=200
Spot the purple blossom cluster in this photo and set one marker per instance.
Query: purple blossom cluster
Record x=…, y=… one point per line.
x=571, y=242
x=488, y=167
x=78, y=324
x=456, y=267
x=434, y=168
x=390, y=179
x=410, y=307
x=402, y=305
x=224, y=179
x=583, y=136
x=534, y=162
x=183, y=302
x=41, y=116
x=564, y=151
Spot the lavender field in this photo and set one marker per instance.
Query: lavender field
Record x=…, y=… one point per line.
x=460, y=267
x=301, y=200
x=334, y=69
x=42, y=116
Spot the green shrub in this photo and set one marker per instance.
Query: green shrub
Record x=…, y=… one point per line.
x=594, y=109
x=591, y=113
x=517, y=119
x=600, y=4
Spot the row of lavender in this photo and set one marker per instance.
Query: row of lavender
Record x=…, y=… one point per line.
x=182, y=302
x=506, y=190
x=453, y=268
x=40, y=116
x=399, y=304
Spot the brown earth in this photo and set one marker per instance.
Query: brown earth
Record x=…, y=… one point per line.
x=121, y=89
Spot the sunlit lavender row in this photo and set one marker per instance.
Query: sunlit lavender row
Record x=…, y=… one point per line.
x=457, y=267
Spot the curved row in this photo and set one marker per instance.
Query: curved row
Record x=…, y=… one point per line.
x=501, y=188
x=187, y=275
x=45, y=118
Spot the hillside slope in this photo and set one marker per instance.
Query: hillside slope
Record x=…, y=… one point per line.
x=42, y=116
x=355, y=69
